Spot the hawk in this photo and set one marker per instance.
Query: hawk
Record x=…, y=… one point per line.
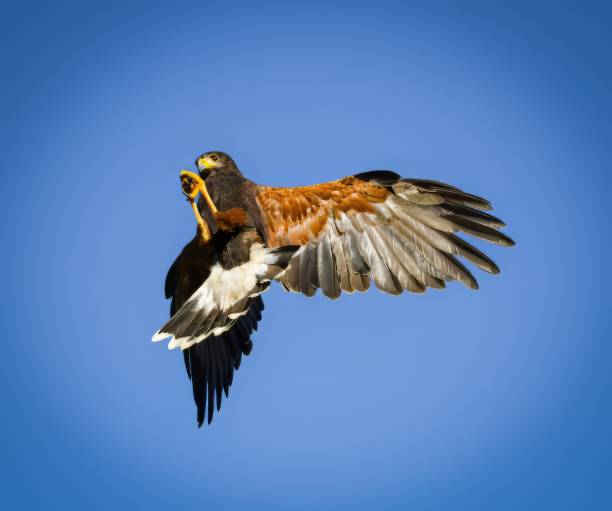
x=339, y=236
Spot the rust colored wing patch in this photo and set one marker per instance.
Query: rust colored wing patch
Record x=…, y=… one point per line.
x=296, y=216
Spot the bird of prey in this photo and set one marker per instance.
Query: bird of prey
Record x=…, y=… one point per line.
x=337, y=236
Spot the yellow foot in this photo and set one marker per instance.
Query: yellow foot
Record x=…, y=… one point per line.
x=192, y=184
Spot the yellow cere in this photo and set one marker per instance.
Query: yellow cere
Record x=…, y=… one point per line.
x=203, y=162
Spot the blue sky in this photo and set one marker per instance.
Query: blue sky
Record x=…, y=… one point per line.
x=453, y=400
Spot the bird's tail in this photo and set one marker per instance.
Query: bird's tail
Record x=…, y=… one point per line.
x=224, y=297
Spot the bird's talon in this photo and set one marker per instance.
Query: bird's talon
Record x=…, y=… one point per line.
x=191, y=185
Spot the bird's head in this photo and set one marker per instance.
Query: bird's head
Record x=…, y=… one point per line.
x=215, y=161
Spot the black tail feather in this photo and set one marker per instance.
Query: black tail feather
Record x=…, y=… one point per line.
x=210, y=364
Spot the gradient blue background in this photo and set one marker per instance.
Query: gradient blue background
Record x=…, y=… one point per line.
x=498, y=399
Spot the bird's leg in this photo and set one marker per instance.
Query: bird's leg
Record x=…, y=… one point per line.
x=203, y=229
x=209, y=201
x=192, y=184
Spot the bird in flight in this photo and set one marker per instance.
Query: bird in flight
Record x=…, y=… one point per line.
x=337, y=236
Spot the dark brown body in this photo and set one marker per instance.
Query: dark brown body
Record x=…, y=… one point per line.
x=234, y=195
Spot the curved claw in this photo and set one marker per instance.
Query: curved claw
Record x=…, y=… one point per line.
x=191, y=185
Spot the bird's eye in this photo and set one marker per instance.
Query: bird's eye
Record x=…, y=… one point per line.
x=214, y=157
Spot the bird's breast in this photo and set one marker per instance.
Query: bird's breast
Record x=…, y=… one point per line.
x=225, y=192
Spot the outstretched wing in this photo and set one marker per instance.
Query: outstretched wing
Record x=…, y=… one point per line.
x=398, y=232
x=210, y=365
